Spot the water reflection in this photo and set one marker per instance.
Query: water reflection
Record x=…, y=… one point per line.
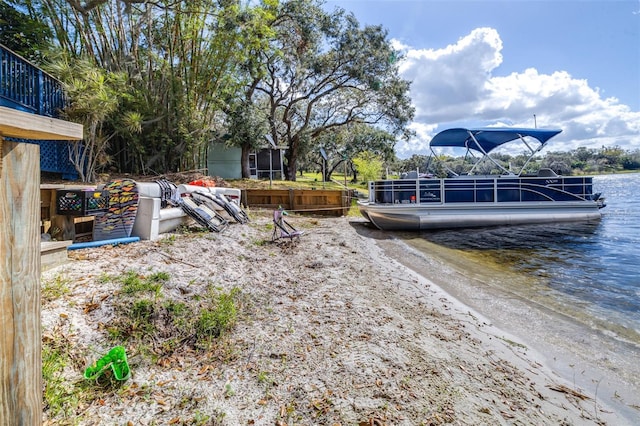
x=560, y=236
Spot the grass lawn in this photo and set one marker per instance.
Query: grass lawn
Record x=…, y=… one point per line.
x=304, y=181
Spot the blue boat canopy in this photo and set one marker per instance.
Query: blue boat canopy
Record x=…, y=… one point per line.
x=487, y=139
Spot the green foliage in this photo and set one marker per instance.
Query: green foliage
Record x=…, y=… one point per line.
x=263, y=241
x=135, y=322
x=59, y=396
x=25, y=35
x=415, y=162
x=183, y=64
x=631, y=161
x=228, y=391
x=206, y=57
x=62, y=397
x=55, y=288
x=341, y=144
x=369, y=166
x=65, y=396
x=559, y=162
x=155, y=82
x=96, y=96
x=219, y=318
x=176, y=309
x=132, y=282
x=141, y=317
x=337, y=73
x=579, y=161
x=155, y=326
x=166, y=324
x=168, y=240
x=265, y=379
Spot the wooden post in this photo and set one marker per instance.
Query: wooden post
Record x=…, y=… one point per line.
x=292, y=200
x=20, y=331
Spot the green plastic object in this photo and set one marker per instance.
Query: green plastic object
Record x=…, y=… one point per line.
x=116, y=360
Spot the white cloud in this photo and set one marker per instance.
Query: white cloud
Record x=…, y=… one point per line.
x=456, y=84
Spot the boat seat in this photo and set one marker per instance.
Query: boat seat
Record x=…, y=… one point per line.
x=546, y=173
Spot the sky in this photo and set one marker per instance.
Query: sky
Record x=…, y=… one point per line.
x=570, y=65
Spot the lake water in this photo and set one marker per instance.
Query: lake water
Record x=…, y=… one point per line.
x=589, y=271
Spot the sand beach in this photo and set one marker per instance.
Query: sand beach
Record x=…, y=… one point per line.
x=348, y=326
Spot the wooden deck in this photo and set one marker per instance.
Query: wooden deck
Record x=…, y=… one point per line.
x=53, y=253
x=18, y=124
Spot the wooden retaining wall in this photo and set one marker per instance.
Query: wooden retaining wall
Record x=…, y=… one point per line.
x=312, y=201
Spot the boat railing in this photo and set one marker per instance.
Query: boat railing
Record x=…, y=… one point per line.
x=485, y=189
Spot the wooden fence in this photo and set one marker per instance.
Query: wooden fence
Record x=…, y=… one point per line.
x=322, y=202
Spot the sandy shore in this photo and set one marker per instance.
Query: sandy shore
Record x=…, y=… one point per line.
x=333, y=330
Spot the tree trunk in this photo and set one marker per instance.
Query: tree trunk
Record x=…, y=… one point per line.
x=290, y=167
x=329, y=170
x=244, y=161
x=291, y=156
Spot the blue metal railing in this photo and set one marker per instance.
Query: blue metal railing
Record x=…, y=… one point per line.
x=25, y=87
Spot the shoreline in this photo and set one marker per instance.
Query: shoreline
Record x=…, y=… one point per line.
x=334, y=330
x=598, y=364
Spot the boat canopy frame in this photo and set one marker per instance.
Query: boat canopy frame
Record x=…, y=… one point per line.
x=487, y=139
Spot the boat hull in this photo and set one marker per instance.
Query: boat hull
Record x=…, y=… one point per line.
x=468, y=215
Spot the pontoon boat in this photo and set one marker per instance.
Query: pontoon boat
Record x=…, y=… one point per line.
x=473, y=200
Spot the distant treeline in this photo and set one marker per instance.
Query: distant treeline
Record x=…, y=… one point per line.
x=576, y=162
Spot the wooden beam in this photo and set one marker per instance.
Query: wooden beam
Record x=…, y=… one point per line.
x=18, y=124
x=20, y=329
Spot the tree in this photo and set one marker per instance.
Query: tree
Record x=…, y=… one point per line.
x=247, y=126
x=182, y=60
x=584, y=154
x=368, y=165
x=631, y=161
x=415, y=162
x=94, y=96
x=611, y=156
x=559, y=162
x=324, y=72
x=343, y=143
x=28, y=36
x=246, y=115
